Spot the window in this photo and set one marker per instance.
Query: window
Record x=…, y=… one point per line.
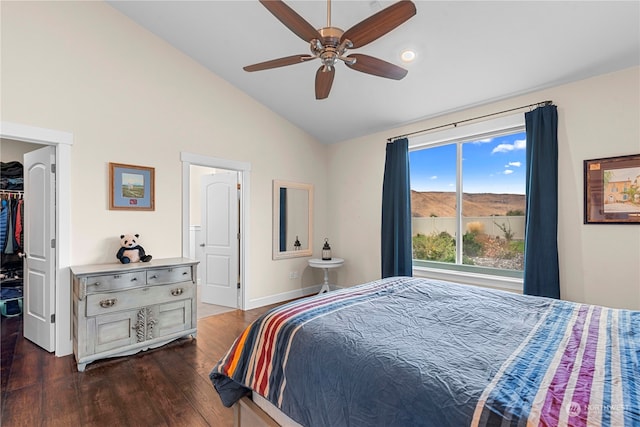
x=468, y=198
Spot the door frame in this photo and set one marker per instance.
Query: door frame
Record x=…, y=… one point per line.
x=62, y=142
x=244, y=169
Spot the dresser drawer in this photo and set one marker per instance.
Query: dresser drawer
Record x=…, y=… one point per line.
x=110, y=302
x=114, y=282
x=159, y=276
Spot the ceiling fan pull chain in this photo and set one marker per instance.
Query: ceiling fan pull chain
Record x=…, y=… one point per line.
x=328, y=13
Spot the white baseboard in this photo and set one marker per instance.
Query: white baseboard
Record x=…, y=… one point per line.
x=285, y=296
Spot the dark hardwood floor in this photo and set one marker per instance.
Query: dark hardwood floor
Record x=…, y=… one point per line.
x=168, y=386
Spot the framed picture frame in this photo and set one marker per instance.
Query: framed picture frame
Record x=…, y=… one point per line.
x=131, y=187
x=612, y=190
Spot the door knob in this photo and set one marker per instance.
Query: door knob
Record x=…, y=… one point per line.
x=202, y=244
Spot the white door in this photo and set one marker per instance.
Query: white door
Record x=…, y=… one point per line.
x=39, y=233
x=219, y=233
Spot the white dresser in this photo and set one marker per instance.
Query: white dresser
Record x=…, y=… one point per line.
x=121, y=309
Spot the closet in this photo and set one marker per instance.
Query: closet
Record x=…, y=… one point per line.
x=11, y=238
x=12, y=209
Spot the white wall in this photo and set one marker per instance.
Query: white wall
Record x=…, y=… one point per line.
x=11, y=150
x=129, y=97
x=598, y=117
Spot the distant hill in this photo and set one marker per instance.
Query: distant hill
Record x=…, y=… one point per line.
x=442, y=204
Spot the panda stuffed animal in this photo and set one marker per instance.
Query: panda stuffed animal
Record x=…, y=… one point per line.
x=130, y=251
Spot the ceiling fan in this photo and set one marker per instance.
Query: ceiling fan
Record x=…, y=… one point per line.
x=330, y=44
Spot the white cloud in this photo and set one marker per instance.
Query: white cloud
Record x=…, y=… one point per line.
x=508, y=172
x=513, y=164
x=502, y=148
x=519, y=144
x=483, y=141
x=434, y=177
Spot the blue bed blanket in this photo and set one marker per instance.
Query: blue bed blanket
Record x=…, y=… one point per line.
x=420, y=352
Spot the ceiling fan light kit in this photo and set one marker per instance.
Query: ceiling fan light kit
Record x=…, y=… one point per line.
x=330, y=44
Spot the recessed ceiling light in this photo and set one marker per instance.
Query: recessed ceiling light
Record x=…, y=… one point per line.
x=407, y=55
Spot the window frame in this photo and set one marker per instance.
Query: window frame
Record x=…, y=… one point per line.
x=473, y=275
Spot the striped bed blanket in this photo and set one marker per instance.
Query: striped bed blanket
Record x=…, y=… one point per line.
x=420, y=352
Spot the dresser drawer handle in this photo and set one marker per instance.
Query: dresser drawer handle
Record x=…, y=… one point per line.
x=184, y=273
x=106, y=303
x=176, y=292
x=134, y=279
x=96, y=284
x=154, y=277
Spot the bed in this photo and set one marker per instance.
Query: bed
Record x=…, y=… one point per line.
x=419, y=352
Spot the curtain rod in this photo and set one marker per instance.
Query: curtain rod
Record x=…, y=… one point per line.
x=454, y=124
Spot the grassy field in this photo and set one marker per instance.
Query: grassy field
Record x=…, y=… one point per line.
x=133, y=192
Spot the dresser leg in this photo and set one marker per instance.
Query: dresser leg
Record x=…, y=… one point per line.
x=81, y=367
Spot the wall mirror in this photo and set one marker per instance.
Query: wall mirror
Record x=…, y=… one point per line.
x=292, y=219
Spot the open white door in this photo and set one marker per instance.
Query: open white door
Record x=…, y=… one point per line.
x=220, y=234
x=39, y=247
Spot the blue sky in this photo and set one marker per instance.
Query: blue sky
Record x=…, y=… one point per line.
x=493, y=165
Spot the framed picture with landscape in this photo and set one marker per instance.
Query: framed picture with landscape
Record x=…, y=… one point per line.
x=131, y=187
x=612, y=190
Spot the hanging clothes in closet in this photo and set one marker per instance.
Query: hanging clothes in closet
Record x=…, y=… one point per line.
x=11, y=238
x=11, y=220
x=12, y=205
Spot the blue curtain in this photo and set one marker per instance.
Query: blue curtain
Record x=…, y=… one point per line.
x=396, y=211
x=541, y=272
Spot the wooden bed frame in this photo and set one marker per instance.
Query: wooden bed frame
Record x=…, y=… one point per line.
x=247, y=414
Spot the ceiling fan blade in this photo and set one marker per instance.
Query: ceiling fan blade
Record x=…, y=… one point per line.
x=377, y=67
x=292, y=20
x=324, y=80
x=379, y=24
x=280, y=62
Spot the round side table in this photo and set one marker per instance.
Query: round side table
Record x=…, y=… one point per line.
x=326, y=265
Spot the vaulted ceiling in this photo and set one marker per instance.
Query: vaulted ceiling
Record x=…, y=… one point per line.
x=468, y=53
